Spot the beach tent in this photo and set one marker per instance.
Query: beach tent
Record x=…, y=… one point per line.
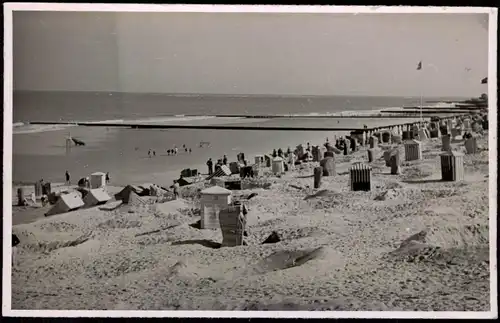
x=125, y=192
x=134, y=200
x=96, y=196
x=222, y=171
x=226, y=170
x=66, y=203
x=111, y=206
x=185, y=181
x=144, y=189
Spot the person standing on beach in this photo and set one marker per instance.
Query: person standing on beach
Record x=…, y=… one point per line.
x=68, y=178
x=291, y=160
x=218, y=165
x=15, y=242
x=149, y=153
x=176, y=150
x=224, y=160
x=189, y=150
x=210, y=165
x=107, y=177
x=176, y=189
x=154, y=153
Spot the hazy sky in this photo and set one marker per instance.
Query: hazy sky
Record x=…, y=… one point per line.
x=251, y=53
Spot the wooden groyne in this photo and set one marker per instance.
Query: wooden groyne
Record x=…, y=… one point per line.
x=238, y=127
x=428, y=111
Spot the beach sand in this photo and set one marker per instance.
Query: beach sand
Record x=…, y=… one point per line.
x=92, y=259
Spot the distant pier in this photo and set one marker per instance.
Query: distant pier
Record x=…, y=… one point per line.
x=248, y=128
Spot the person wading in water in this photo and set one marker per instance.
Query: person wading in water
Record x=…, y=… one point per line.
x=210, y=165
x=68, y=178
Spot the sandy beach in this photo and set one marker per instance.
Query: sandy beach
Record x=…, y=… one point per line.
x=412, y=243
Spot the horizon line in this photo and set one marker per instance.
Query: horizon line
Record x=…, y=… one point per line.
x=239, y=94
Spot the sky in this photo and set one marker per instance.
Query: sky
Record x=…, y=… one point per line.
x=251, y=53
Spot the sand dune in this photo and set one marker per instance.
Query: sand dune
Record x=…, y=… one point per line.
x=409, y=244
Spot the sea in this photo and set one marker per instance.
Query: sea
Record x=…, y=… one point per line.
x=40, y=152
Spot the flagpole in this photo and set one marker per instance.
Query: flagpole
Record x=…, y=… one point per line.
x=421, y=103
x=421, y=94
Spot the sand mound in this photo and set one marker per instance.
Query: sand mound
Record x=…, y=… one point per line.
x=416, y=172
x=321, y=193
x=48, y=246
x=418, y=237
x=57, y=226
x=336, y=304
x=413, y=251
x=439, y=193
x=119, y=222
x=460, y=236
x=299, y=233
x=178, y=234
x=405, y=194
x=285, y=259
x=176, y=211
x=442, y=211
x=326, y=199
x=117, y=265
x=180, y=270
x=282, y=303
x=84, y=248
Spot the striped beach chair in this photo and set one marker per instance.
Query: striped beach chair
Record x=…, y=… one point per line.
x=452, y=166
x=360, y=177
x=232, y=222
x=413, y=150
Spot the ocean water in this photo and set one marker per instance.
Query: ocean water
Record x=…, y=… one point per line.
x=41, y=152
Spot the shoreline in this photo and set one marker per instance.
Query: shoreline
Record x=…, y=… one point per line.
x=168, y=176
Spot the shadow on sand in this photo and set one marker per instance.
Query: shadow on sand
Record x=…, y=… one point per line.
x=203, y=242
x=423, y=181
x=305, y=176
x=196, y=225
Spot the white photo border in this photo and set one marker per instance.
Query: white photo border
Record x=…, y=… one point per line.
x=7, y=157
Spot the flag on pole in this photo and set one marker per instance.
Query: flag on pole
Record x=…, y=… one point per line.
x=484, y=81
x=419, y=66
